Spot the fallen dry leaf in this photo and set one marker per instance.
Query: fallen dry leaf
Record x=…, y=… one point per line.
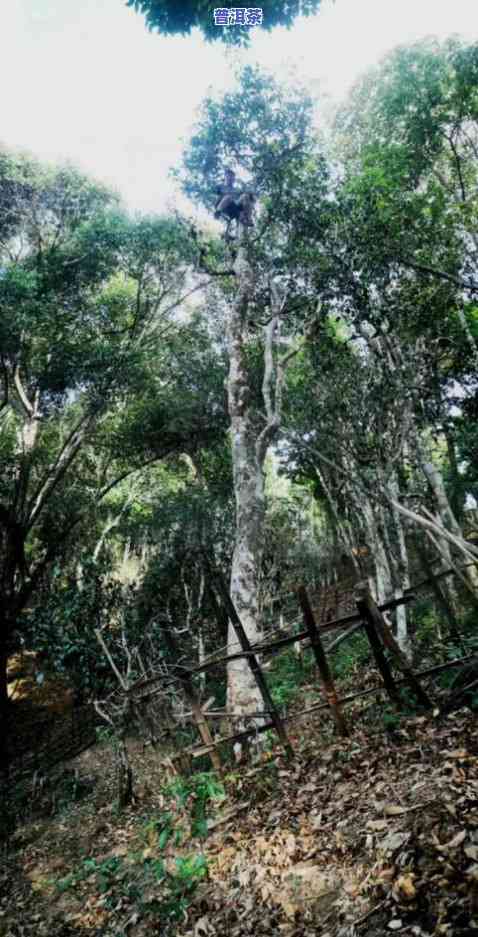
x=203, y=926
x=377, y=825
x=471, y=852
x=392, y=842
x=404, y=888
x=393, y=810
x=453, y=843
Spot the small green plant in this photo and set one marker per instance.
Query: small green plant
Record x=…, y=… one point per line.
x=132, y=878
x=190, y=870
x=157, y=888
x=105, y=872
x=198, y=793
x=162, y=829
x=190, y=800
x=288, y=673
x=390, y=718
x=444, y=680
x=204, y=787
x=470, y=635
x=156, y=867
x=104, y=735
x=348, y=656
x=180, y=886
x=409, y=701
x=427, y=623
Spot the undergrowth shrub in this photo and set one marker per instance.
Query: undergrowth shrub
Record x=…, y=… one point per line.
x=160, y=891
x=351, y=654
x=198, y=793
x=470, y=631
x=160, y=882
x=105, y=873
x=288, y=673
x=426, y=624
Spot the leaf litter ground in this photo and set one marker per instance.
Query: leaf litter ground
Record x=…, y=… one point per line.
x=364, y=837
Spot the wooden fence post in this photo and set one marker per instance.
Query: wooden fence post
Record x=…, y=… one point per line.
x=322, y=662
x=383, y=629
x=200, y=719
x=362, y=592
x=255, y=668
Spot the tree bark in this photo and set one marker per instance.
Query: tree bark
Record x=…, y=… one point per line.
x=441, y=596
x=4, y=732
x=243, y=693
x=338, y=525
x=383, y=577
x=403, y=568
x=447, y=517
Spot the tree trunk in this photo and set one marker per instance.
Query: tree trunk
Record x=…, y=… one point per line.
x=447, y=517
x=338, y=526
x=441, y=596
x=383, y=578
x=5, y=730
x=243, y=693
x=403, y=569
x=457, y=498
x=252, y=431
x=125, y=775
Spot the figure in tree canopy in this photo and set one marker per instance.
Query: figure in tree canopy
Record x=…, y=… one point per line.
x=233, y=204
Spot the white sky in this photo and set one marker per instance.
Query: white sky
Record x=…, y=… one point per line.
x=82, y=80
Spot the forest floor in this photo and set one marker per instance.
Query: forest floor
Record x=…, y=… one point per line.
x=372, y=835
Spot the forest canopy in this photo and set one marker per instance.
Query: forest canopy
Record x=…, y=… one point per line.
x=239, y=516
x=356, y=337
x=196, y=416
x=170, y=18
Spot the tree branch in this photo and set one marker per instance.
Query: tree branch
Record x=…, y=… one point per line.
x=422, y=268
x=466, y=548
x=5, y=401
x=64, y=459
x=27, y=406
x=458, y=167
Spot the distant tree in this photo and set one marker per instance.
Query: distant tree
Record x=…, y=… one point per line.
x=382, y=427
x=171, y=18
x=90, y=391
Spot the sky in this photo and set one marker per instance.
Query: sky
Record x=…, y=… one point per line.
x=84, y=82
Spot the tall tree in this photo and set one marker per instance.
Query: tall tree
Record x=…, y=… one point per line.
x=263, y=132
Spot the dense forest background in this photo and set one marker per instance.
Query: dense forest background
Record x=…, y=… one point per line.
x=198, y=408
x=358, y=349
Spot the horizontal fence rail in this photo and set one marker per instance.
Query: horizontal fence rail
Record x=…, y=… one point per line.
x=79, y=732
